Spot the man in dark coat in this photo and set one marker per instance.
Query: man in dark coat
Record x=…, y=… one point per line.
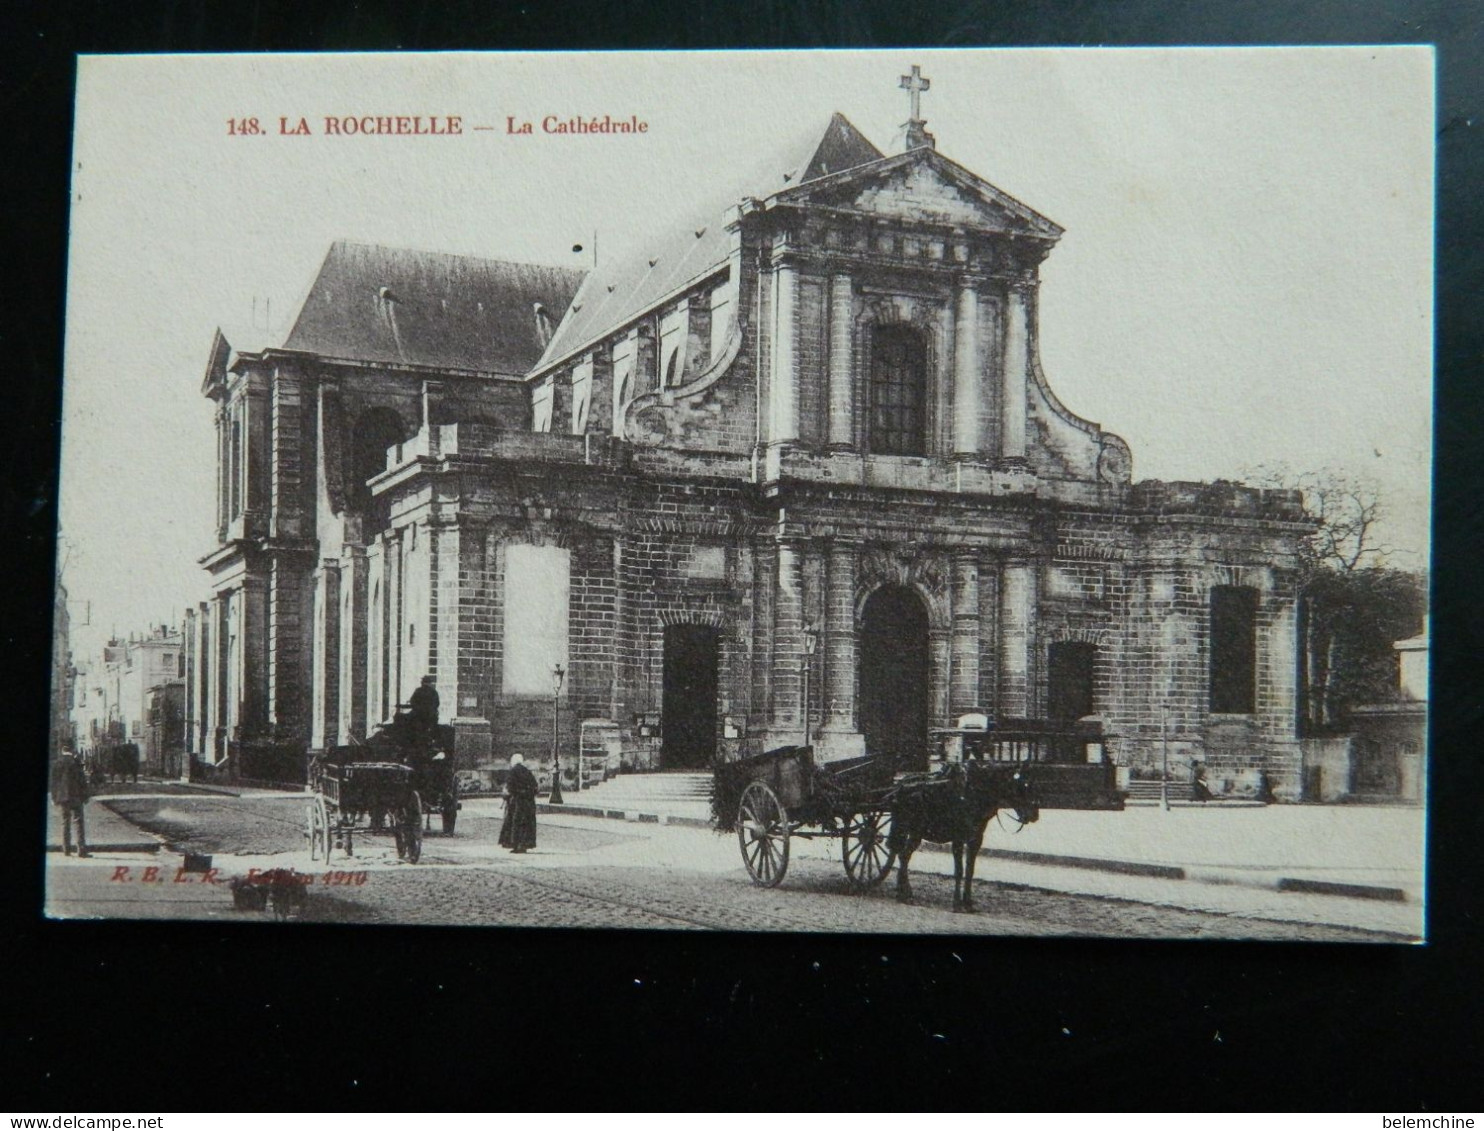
x=424, y=711
x=518, y=831
x=69, y=788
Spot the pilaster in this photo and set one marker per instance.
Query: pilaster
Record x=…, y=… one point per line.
x=842, y=363
x=963, y=694
x=1017, y=599
x=783, y=396
x=1017, y=364
x=967, y=379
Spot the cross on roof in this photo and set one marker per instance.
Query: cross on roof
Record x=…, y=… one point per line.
x=915, y=84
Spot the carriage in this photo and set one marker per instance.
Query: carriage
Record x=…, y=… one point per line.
x=772, y=797
x=394, y=783
x=1019, y=765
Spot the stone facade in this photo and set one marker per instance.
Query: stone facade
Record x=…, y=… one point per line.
x=797, y=467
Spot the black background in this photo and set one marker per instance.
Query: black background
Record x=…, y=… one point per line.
x=183, y=1016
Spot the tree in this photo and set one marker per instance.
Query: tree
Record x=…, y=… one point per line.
x=1352, y=604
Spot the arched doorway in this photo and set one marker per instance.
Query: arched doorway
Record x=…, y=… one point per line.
x=894, y=675
x=692, y=671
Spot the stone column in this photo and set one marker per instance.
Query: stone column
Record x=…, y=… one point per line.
x=783, y=393
x=395, y=633
x=842, y=363
x=787, y=720
x=290, y=640
x=220, y=714
x=325, y=697
x=287, y=513
x=1277, y=690
x=376, y=633
x=765, y=573
x=839, y=737
x=223, y=473
x=967, y=407
x=939, y=663
x=963, y=691
x=1017, y=364
x=252, y=646
x=353, y=645
x=1017, y=599
x=255, y=456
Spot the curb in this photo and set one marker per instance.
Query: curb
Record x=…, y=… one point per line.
x=1090, y=863
x=631, y=815
x=1333, y=887
x=94, y=849
x=1048, y=859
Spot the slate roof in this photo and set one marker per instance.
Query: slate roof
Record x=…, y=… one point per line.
x=621, y=290
x=374, y=303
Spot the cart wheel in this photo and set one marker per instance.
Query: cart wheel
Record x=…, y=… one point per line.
x=450, y=817
x=412, y=828
x=866, y=848
x=762, y=833
x=319, y=830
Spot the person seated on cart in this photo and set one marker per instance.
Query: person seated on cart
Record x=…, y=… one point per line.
x=423, y=711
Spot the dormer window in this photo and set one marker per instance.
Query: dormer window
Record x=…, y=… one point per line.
x=545, y=324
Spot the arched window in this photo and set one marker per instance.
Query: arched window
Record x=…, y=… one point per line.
x=376, y=430
x=898, y=406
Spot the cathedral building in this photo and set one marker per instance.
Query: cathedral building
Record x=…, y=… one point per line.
x=796, y=458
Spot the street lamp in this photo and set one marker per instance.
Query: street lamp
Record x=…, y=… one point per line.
x=811, y=642
x=557, y=675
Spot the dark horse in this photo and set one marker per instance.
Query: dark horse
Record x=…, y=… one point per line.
x=954, y=807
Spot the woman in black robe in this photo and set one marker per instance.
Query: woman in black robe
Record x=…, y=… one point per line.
x=518, y=832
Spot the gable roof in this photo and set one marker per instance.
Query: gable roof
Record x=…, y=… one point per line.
x=619, y=291
x=829, y=168
x=973, y=192
x=374, y=303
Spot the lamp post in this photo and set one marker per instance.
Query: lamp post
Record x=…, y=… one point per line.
x=557, y=675
x=811, y=642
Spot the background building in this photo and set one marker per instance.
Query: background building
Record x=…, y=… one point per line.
x=133, y=692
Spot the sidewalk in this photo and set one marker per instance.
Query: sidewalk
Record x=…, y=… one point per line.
x=1361, y=852
x=106, y=830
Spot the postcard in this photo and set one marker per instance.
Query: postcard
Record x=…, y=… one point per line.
x=953, y=491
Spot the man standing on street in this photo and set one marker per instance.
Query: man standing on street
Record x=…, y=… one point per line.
x=69, y=788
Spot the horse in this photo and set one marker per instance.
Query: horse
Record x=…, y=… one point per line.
x=954, y=807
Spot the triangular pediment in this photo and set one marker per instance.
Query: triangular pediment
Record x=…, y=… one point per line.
x=923, y=185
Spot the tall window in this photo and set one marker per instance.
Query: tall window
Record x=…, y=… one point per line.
x=1233, y=650
x=898, y=422
x=376, y=430
x=537, y=592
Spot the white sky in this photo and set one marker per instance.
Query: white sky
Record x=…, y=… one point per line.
x=1246, y=276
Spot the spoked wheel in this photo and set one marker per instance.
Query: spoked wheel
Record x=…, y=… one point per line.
x=318, y=821
x=410, y=828
x=866, y=848
x=762, y=833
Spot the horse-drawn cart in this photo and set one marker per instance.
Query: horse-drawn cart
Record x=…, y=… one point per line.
x=394, y=782
x=772, y=797
x=381, y=793
x=881, y=815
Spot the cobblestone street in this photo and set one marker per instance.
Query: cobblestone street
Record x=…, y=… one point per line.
x=588, y=873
